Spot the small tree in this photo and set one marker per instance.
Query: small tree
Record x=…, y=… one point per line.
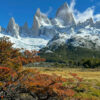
x=12, y=57
x=9, y=56
x=30, y=57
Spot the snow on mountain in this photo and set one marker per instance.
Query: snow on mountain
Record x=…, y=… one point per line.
x=27, y=42
x=58, y=40
x=60, y=30
x=83, y=39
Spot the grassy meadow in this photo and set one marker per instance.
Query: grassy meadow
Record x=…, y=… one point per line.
x=87, y=74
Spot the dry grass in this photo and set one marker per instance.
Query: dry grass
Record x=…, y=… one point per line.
x=90, y=74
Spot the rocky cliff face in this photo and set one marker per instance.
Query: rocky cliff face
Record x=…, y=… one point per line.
x=40, y=20
x=88, y=22
x=97, y=25
x=24, y=30
x=64, y=14
x=2, y=29
x=13, y=28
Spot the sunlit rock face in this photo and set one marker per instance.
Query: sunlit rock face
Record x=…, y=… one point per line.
x=40, y=20
x=13, y=28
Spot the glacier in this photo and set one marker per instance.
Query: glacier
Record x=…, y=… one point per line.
x=27, y=43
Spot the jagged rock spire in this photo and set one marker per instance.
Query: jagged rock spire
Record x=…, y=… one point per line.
x=40, y=20
x=25, y=25
x=65, y=15
x=38, y=12
x=2, y=29
x=24, y=30
x=13, y=28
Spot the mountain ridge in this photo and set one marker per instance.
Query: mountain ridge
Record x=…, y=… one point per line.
x=64, y=23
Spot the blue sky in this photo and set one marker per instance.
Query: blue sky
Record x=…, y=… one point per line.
x=24, y=10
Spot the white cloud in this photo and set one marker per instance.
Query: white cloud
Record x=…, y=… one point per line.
x=82, y=16
x=49, y=11
x=72, y=5
x=97, y=17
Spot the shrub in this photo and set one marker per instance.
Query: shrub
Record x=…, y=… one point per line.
x=13, y=58
x=30, y=57
x=8, y=54
x=44, y=87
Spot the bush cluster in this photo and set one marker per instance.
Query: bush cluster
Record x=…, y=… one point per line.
x=18, y=83
x=12, y=57
x=44, y=87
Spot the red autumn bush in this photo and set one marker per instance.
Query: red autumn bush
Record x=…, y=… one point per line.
x=8, y=54
x=7, y=74
x=12, y=57
x=30, y=57
x=32, y=81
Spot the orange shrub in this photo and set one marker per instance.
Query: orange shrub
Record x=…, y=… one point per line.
x=30, y=57
x=13, y=58
x=6, y=74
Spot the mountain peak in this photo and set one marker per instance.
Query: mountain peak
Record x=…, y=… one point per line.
x=65, y=5
x=2, y=29
x=25, y=25
x=12, y=20
x=65, y=15
x=40, y=20
x=38, y=12
x=13, y=28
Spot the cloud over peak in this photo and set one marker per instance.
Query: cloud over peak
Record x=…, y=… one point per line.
x=83, y=16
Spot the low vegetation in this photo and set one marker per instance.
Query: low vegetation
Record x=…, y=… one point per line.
x=19, y=83
x=72, y=56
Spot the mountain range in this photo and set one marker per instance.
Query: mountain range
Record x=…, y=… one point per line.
x=54, y=32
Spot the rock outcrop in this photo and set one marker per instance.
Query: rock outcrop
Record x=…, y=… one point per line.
x=97, y=25
x=86, y=40
x=89, y=22
x=13, y=28
x=2, y=29
x=64, y=14
x=24, y=30
x=40, y=20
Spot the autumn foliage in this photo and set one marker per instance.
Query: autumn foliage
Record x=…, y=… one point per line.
x=30, y=57
x=15, y=80
x=13, y=58
x=31, y=81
